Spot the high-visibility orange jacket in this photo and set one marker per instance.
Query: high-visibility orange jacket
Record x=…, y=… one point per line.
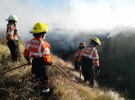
x=37, y=47
x=11, y=33
x=92, y=54
x=78, y=54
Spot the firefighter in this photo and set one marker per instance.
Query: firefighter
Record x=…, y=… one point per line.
x=77, y=55
x=12, y=37
x=39, y=50
x=90, y=61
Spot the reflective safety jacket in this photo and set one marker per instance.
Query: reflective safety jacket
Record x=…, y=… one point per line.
x=78, y=54
x=92, y=54
x=37, y=47
x=11, y=33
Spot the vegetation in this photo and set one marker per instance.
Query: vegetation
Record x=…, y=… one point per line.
x=117, y=56
x=14, y=85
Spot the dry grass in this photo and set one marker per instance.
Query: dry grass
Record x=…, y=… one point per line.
x=80, y=91
x=14, y=85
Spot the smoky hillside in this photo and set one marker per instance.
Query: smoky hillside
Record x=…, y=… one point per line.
x=117, y=57
x=65, y=43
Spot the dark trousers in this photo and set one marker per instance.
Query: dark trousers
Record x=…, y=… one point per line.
x=88, y=70
x=77, y=65
x=40, y=70
x=14, y=49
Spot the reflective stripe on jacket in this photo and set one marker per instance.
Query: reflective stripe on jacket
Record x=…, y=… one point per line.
x=11, y=32
x=37, y=47
x=92, y=54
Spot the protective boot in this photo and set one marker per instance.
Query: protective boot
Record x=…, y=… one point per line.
x=91, y=82
x=45, y=88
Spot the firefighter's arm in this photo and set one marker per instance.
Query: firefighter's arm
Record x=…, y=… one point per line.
x=96, y=62
x=47, y=59
x=97, y=71
x=46, y=55
x=16, y=35
x=27, y=57
x=15, y=32
x=28, y=60
x=26, y=54
x=96, y=65
x=95, y=58
x=76, y=56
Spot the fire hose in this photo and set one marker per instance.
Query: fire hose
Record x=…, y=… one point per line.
x=52, y=65
x=106, y=37
x=64, y=73
x=13, y=69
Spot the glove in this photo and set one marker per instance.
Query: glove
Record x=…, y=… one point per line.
x=29, y=63
x=97, y=71
x=28, y=60
x=50, y=63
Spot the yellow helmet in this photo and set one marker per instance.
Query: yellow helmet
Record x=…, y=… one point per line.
x=39, y=27
x=96, y=40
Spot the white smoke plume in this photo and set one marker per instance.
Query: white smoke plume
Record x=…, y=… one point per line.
x=70, y=22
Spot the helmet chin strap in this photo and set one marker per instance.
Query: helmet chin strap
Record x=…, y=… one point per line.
x=44, y=37
x=91, y=45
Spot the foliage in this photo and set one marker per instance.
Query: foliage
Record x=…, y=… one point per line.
x=117, y=63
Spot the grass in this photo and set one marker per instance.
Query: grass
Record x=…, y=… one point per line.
x=14, y=85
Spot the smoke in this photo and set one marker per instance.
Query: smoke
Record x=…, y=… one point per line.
x=69, y=23
x=65, y=43
x=30, y=12
x=82, y=14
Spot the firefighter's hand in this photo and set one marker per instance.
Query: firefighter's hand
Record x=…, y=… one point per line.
x=28, y=60
x=97, y=71
x=29, y=63
x=50, y=63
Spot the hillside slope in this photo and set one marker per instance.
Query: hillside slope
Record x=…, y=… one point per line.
x=14, y=85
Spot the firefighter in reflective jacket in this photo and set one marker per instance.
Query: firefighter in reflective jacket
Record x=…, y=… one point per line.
x=39, y=50
x=12, y=37
x=90, y=61
x=77, y=63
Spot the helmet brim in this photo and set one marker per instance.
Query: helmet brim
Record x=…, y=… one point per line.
x=98, y=42
x=36, y=32
x=8, y=20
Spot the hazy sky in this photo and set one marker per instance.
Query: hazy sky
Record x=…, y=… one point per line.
x=84, y=14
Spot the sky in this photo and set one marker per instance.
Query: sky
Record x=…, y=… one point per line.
x=77, y=15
